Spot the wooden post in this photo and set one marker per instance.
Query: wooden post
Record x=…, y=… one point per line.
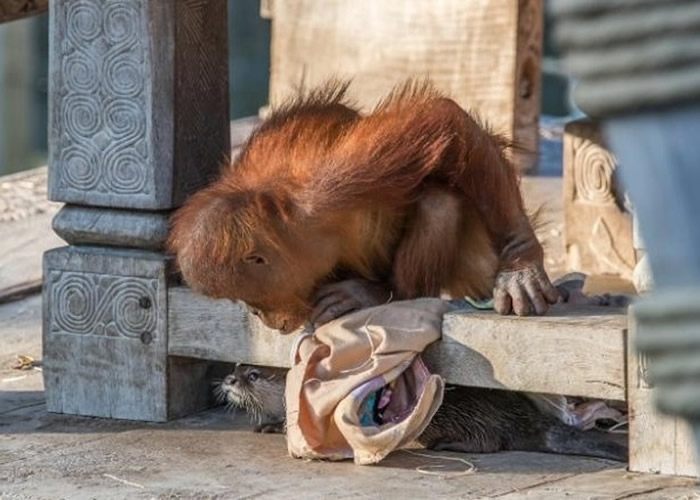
x=138, y=120
x=658, y=443
x=597, y=228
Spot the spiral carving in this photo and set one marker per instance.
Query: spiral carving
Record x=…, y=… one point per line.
x=593, y=174
x=103, y=304
x=125, y=171
x=80, y=167
x=82, y=74
x=83, y=115
x=102, y=114
x=120, y=20
x=83, y=21
x=124, y=119
x=123, y=77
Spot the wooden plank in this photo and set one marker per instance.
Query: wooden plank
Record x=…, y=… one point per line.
x=220, y=330
x=578, y=352
x=25, y=226
x=609, y=484
x=572, y=350
x=12, y=10
x=483, y=53
x=658, y=443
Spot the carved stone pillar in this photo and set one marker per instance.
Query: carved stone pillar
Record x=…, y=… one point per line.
x=138, y=120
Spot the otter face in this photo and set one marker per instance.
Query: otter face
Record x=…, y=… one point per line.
x=257, y=390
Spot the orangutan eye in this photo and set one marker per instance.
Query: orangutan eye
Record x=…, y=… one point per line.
x=253, y=376
x=255, y=259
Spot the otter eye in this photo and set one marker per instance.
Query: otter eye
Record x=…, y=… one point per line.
x=255, y=312
x=253, y=376
x=255, y=259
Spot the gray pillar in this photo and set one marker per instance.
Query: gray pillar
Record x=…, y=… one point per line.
x=638, y=66
x=138, y=103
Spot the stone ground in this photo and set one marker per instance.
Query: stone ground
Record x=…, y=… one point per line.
x=212, y=455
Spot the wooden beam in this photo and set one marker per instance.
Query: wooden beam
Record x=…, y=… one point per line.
x=12, y=10
x=220, y=330
x=573, y=351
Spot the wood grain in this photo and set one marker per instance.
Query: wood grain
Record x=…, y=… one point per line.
x=483, y=53
x=220, y=330
x=576, y=352
x=571, y=351
x=658, y=443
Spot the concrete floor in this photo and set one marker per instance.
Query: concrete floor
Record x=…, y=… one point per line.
x=212, y=456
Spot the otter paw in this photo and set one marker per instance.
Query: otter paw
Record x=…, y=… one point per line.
x=270, y=428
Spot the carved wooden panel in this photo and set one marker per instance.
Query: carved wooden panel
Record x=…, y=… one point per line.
x=105, y=333
x=598, y=229
x=102, y=95
x=85, y=303
x=138, y=100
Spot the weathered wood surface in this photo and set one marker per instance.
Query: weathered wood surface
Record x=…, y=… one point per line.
x=572, y=351
x=100, y=226
x=597, y=228
x=658, y=443
x=578, y=352
x=138, y=99
x=220, y=330
x=483, y=53
x=25, y=231
x=12, y=10
x=105, y=333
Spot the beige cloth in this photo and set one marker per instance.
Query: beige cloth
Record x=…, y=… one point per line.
x=338, y=366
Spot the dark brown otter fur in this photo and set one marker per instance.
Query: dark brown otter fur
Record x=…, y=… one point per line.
x=470, y=419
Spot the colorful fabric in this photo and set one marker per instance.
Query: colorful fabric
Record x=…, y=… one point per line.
x=358, y=388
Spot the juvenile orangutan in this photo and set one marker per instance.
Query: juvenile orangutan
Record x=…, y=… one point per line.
x=326, y=211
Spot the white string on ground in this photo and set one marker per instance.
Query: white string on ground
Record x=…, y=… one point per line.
x=427, y=469
x=123, y=481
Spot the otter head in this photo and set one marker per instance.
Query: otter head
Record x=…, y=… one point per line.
x=257, y=390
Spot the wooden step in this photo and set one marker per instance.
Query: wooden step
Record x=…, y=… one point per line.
x=573, y=351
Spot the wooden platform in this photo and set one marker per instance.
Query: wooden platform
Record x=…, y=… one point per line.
x=572, y=351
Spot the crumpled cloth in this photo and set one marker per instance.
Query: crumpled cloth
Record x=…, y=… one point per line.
x=335, y=368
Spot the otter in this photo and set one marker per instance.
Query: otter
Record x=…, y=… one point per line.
x=470, y=419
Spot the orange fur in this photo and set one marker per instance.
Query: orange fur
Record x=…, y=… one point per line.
x=417, y=194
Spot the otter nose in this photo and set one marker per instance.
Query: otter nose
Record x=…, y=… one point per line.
x=230, y=380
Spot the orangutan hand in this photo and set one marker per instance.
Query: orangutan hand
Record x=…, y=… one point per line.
x=524, y=291
x=337, y=299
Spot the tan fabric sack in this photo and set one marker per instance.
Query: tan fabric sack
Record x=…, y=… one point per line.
x=338, y=366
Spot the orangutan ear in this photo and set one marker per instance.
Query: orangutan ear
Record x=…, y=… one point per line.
x=276, y=205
